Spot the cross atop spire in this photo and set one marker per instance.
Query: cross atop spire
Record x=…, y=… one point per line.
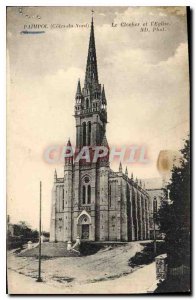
x=91, y=76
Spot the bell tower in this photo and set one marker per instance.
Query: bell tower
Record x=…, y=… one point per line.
x=90, y=103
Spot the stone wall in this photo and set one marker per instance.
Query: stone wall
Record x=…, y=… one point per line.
x=119, y=208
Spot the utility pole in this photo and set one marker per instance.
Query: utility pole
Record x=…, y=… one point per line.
x=39, y=279
x=154, y=223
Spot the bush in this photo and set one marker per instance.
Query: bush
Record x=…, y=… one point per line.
x=147, y=255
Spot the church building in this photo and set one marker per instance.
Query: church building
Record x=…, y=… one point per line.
x=91, y=201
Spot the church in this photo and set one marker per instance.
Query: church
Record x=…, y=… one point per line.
x=91, y=201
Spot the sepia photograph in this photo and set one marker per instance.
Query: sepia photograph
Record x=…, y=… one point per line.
x=98, y=150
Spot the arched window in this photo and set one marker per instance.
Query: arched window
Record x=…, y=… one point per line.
x=84, y=134
x=83, y=194
x=89, y=133
x=110, y=195
x=87, y=103
x=63, y=202
x=86, y=190
x=89, y=194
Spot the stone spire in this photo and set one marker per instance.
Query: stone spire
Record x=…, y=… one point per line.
x=120, y=167
x=91, y=76
x=126, y=172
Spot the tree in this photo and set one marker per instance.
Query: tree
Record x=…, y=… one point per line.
x=174, y=219
x=24, y=230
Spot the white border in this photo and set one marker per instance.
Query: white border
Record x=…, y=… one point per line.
x=3, y=5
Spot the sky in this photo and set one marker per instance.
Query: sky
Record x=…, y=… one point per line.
x=145, y=75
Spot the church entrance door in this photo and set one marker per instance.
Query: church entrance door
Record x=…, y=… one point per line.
x=85, y=231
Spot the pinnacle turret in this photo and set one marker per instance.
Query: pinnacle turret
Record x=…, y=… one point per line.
x=103, y=97
x=120, y=167
x=69, y=153
x=78, y=92
x=69, y=143
x=126, y=172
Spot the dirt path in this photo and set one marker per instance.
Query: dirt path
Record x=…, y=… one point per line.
x=69, y=271
x=141, y=281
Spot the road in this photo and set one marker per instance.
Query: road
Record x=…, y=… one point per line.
x=142, y=280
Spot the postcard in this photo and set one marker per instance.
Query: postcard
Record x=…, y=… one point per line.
x=98, y=150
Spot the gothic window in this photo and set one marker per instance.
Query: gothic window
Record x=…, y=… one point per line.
x=84, y=134
x=89, y=133
x=110, y=195
x=83, y=194
x=86, y=190
x=63, y=204
x=89, y=194
x=87, y=103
